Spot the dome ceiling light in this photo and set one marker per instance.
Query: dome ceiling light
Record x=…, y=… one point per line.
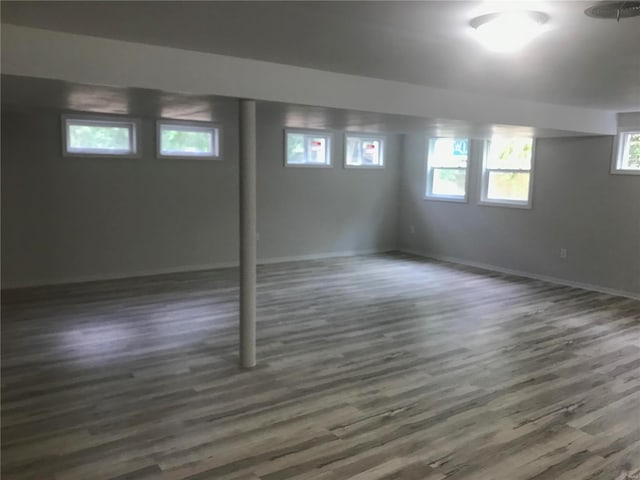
x=508, y=31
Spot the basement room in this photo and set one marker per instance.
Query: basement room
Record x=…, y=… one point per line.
x=320, y=240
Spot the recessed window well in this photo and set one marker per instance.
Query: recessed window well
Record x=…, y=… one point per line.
x=447, y=169
x=507, y=172
x=307, y=148
x=626, y=153
x=179, y=139
x=99, y=136
x=364, y=151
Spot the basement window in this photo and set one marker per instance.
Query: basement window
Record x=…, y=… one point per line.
x=178, y=139
x=626, y=153
x=307, y=148
x=85, y=135
x=364, y=151
x=507, y=172
x=447, y=169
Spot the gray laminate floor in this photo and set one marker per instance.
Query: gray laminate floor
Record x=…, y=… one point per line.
x=374, y=367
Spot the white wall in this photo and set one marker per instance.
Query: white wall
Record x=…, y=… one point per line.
x=67, y=219
x=72, y=219
x=304, y=211
x=577, y=204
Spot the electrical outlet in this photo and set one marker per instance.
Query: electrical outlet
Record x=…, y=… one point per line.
x=257, y=237
x=412, y=229
x=563, y=253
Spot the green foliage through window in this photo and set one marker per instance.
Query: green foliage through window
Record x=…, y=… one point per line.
x=87, y=138
x=295, y=148
x=447, y=168
x=307, y=149
x=186, y=142
x=512, y=186
x=449, y=182
x=632, y=152
x=510, y=153
x=508, y=170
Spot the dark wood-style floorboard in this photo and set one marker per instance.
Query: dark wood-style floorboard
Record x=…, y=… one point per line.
x=370, y=368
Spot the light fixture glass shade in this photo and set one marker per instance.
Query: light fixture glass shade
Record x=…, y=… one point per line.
x=508, y=31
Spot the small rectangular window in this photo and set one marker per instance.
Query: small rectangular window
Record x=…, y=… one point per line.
x=99, y=136
x=307, y=148
x=447, y=169
x=507, y=171
x=626, y=154
x=178, y=139
x=364, y=151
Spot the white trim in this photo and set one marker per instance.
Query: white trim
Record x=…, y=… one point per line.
x=442, y=198
x=50, y=281
x=484, y=180
x=315, y=256
x=617, y=153
x=214, y=128
x=91, y=60
x=520, y=273
x=428, y=174
x=328, y=134
x=381, y=137
x=320, y=256
x=506, y=203
x=133, y=124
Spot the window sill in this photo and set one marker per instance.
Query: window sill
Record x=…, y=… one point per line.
x=498, y=203
x=364, y=167
x=619, y=171
x=188, y=157
x=306, y=165
x=129, y=156
x=434, y=198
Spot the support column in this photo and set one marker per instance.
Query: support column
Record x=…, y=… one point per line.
x=247, y=233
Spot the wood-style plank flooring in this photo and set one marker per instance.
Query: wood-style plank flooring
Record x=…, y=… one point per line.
x=373, y=367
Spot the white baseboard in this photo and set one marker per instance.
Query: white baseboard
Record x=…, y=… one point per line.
x=519, y=273
x=318, y=256
x=180, y=269
x=49, y=281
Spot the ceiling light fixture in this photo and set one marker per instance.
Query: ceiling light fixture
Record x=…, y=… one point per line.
x=508, y=31
x=616, y=10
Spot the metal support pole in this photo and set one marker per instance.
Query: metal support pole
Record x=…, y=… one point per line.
x=247, y=233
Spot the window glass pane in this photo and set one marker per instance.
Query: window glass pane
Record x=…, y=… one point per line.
x=307, y=149
x=295, y=148
x=364, y=151
x=449, y=182
x=510, y=153
x=371, y=152
x=87, y=138
x=449, y=152
x=354, y=151
x=186, y=141
x=316, y=150
x=631, y=151
x=508, y=186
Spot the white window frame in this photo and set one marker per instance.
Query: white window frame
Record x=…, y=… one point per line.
x=133, y=124
x=190, y=125
x=327, y=134
x=485, y=179
x=618, y=152
x=429, y=168
x=366, y=137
